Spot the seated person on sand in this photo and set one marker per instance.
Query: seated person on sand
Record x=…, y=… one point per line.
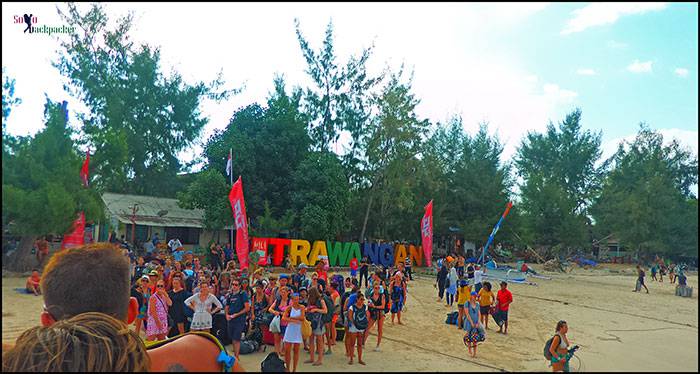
x=34, y=283
x=95, y=278
x=87, y=342
x=527, y=269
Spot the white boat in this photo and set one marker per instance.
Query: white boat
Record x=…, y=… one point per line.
x=508, y=275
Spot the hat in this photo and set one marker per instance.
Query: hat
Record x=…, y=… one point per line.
x=463, y=282
x=474, y=293
x=295, y=294
x=259, y=284
x=145, y=277
x=153, y=272
x=302, y=266
x=284, y=276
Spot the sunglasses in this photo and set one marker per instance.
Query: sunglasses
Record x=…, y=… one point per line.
x=160, y=286
x=235, y=284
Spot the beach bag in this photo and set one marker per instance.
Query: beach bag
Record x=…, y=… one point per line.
x=452, y=318
x=547, y=346
x=275, y=325
x=267, y=337
x=306, y=329
x=359, y=317
x=339, y=332
x=272, y=364
x=316, y=320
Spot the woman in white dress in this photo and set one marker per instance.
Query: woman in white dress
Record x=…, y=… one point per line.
x=201, y=302
x=294, y=316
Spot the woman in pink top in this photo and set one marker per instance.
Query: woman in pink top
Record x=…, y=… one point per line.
x=158, y=328
x=277, y=308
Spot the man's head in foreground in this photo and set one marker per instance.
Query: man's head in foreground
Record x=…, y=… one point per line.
x=91, y=278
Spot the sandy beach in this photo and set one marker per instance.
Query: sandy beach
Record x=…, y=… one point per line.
x=617, y=329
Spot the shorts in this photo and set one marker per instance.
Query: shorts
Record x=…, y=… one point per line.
x=641, y=281
x=320, y=331
x=353, y=330
x=353, y=273
x=460, y=306
x=235, y=329
x=484, y=310
x=502, y=315
x=375, y=313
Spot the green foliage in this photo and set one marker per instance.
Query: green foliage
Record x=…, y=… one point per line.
x=209, y=192
x=321, y=195
x=138, y=119
x=268, y=226
x=268, y=145
x=42, y=191
x=340, y=98
x=646, y=201
x=8, y=98
x=560, y=181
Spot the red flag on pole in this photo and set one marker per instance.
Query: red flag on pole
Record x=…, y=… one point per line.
x=235, y=197
x=84, y=170
x=77, y=237
x=427, y=233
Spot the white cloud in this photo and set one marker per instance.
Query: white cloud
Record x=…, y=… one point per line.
x=612, y=44
x=598, y=14
x=687, y=138
x=585, y=72
x=681, y=72
x=557, y=94
x=639, y=67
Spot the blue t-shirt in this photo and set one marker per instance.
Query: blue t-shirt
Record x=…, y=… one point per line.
x=236, y=303
x=227, y=253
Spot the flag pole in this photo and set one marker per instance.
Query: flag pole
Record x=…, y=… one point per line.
x=230, y=156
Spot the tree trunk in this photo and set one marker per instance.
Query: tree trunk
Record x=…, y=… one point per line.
x=364, y=224
x=22, y=258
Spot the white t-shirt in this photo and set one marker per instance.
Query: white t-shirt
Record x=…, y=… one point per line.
x=477, y=276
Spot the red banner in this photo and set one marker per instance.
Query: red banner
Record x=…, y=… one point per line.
x=235, y=197
x=260, y=245
x=426, y=225
x=77, y=237
x=84, y=170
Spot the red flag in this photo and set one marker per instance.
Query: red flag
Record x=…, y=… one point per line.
x=84, y=170
x=77, y=237
x=426, y=225
x=235, y=197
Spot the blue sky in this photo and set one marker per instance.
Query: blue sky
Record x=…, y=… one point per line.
x=516, y=66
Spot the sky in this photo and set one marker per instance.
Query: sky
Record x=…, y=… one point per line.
x=516, y=66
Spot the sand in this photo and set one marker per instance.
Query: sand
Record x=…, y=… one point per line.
x=617, y=329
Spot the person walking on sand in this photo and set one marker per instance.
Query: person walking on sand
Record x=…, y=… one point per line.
x=157, y=327
x=358, y=321
x=472, y=325
x=640, y=279
x=486, y=299
x=452, y=288
x=503, y=300
x=462, y=298
x=441, y=281
x=376, y=303
x=559, y=349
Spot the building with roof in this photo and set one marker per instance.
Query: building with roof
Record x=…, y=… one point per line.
x=153, y=215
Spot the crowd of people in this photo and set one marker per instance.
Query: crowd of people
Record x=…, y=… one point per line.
x=303, y=309
x=176, y=296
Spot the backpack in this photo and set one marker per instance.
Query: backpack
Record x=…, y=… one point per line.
x=328, y=317
x=452, y=318
x=547, y=346
x=248, y=346
x=272, y=364
x=359, y=317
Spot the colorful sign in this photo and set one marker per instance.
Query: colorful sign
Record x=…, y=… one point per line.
x=235, y=197
x=335, y=253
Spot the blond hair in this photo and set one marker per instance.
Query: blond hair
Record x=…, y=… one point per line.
x=87, y=342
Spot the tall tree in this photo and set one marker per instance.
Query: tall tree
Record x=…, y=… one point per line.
x=41, y=190
x=9, y=101
x=138, y=119
x=560, y=179
x=646, y=200
x=393, y=143
x=269, y=142
x=340, y=98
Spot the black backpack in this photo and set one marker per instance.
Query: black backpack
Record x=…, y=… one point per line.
x=359, y=317
x=272, y=364
x=248, y=346
x=328, y=317
x=452, y=318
